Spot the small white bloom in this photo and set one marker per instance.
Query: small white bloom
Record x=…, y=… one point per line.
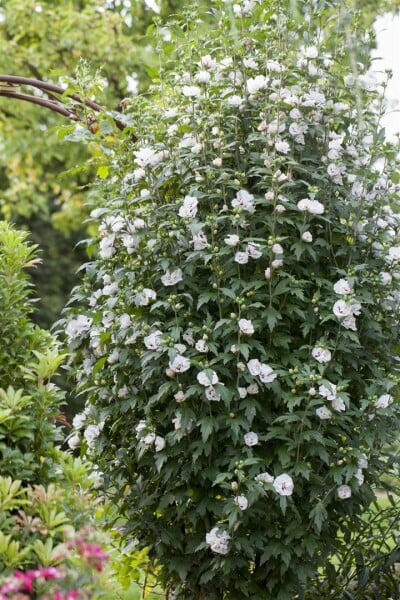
x=232, y=240
x=74, y=441
x=107, y=249
x=91, y=433
x=187, y=337
x=342, y=287
x=282, y=146
x=254, y=366
x=267, y=273
x=159, y=443
x=179, y=396
x=252, y=389
x=349, y=322
x=393, y=255
x=338, y=404
x=217, y=162
x=256, y=84
x=283, y=484
x=139, y=174
x=311, y=206
x=267, y=374
x=79, y=420
x=197, y=148
x=295, y=129
x=77, y=326
x=274, y=65
x=311, y=52
x=207, y=62
x=278, y=262
x=363, y=462
x=250, y=63
x=235, y=100
x=384, y=401
x=188, y=209
x=123, y=391
x=180, y=364
x=307, y=237
x=244, y=200
x=314, y=98
x=242, y=258
x=201, y=346
x=341, y=309
x=203, y=77
x=242, y=392
x=207, y=378
x=359, y=475
x=344, y=492
x=323, y=413
x=149, y=439
x=148, y=157
x=277, y=249
x=333, y=170
x=246, y=326
x=124, y=321
x=191, y=91
x=140, y=427
x=250, y=439
x=218, y=540
x=253, y=251
x=212, y=394
x=241, y=502
x=113, y=357
x=328, y=391
x=264, y=478
x=153, y=341
x=322, y=355
x=172, y=278
x=199, y=241
x=144, y=297
x=385, y=277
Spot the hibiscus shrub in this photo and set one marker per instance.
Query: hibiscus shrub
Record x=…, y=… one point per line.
x=236, y=333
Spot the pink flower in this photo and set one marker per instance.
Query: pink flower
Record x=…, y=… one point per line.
x=70, y=595
x=26, y=579
x=49, y=573
x=93, y=554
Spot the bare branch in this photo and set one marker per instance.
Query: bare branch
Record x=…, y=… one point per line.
x=51, y=104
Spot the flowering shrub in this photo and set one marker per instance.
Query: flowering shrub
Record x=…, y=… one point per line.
x=34, y=583
x=51, y=526
x=236, y=334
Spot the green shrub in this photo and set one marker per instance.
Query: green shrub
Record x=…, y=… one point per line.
x=237, y=334
x=50, y=522
x=30, y=403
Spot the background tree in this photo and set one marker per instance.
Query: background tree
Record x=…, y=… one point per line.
x=46, y=41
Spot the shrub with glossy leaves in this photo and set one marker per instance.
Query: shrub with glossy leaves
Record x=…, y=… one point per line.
x=30, y=403
x=237, y=333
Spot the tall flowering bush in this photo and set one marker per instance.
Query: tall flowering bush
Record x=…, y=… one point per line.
x=236, y=332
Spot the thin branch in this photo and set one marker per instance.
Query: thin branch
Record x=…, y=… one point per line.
x=49, y=87
x=51, y=104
